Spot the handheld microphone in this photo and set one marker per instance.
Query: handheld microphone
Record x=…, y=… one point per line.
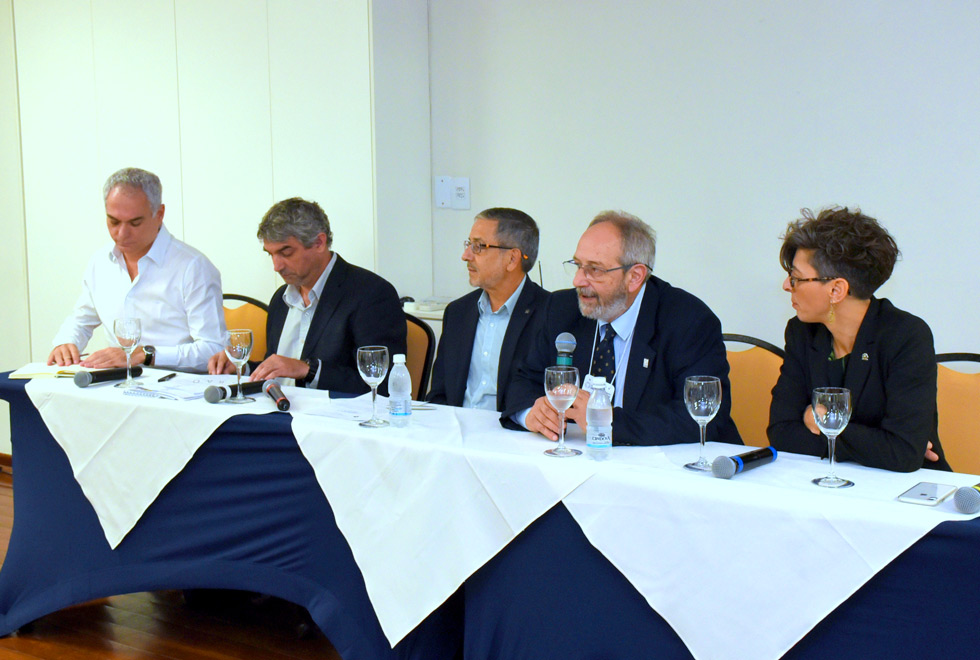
x=215, y=393
x=967, y=499
x=86, y=378
x=565, y=345
x=272, y=388
x=725, y=467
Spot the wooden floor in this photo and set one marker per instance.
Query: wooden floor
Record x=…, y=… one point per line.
x=215, y=626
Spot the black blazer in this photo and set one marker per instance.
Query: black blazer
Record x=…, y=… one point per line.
x=891, y=373
x=675, y=336
x=357, y=308
x=459, y=324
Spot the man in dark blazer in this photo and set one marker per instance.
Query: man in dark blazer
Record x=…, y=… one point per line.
x=661, y=336
x=326, y=309
x=487, y=332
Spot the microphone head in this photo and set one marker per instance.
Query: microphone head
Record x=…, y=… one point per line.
x=83, y=378
x=723, y=467
x=565, y=342
x=213, y=394
x=967, y=499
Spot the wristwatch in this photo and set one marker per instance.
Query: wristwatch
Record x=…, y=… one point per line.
x=150, y=353
x=314, y=365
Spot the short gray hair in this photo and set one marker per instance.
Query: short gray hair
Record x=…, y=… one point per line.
x=518, y=229
x=134, y=177
x=639, y=240
x=295, y=218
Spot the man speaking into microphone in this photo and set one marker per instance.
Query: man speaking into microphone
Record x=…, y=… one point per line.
x=635, y=330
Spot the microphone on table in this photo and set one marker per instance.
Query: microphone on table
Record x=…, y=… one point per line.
x=967, y=499
x=565, y=345
x=272, y=388
x=215, y=393
x=725, y=467
x=86, y=378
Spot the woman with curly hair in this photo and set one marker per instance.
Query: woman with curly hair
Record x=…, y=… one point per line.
x=843, y=336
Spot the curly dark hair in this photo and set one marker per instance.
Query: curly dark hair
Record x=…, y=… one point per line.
x=845, y=244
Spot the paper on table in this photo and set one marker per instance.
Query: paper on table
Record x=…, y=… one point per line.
x=42, y=370
x=123, y=450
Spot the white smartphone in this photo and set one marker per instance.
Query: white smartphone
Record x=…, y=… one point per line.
x=927, y=493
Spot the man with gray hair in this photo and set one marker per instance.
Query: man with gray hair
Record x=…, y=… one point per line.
x=487, y=332
x=326, y=309
x=147, y=274
x=639, y=332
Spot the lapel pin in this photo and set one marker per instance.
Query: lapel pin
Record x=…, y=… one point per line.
x=646, y=363
x=864, y=357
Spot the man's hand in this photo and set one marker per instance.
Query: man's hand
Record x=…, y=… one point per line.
x=543, y=419
x=277, y=366
x=220, y=364
x=930, y=454
x=810, y=422
x=112, y=357
x=577, y=412
x=64, y=355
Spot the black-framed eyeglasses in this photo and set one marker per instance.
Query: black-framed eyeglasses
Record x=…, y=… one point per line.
x=592, y=273
x=478, y=247
x=793, y=281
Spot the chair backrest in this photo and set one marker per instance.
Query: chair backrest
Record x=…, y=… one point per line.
x=957, y=399
x=421, y=351
x=251, y=314
x=753, y=373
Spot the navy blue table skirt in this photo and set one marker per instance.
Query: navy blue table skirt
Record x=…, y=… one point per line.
x=245, y=513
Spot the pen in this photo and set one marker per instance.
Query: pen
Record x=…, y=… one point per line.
x=167, y=377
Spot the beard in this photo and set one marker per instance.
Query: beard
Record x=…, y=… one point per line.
x=603, y=309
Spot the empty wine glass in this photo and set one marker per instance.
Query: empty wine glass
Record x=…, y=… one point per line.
x=832, y=412
x=702, y=396
x=561, y=388
x=372, y=363
x=238, y=348
x=128, y=332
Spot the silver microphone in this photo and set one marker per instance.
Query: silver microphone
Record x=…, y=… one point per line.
x=565, y=345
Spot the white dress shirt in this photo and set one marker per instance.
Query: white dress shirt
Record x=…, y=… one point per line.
x=624, y=324
x=297, y=324
x=481, y=381
x=176, y=295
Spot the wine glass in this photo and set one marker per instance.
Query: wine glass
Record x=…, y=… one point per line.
x=238, y=348
x=561, y=388
x=832, y=412
x=702, y=396
x=128, y=332
x=372, y=363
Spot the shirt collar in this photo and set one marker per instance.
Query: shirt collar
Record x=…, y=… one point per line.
x=508, y=307
x=157, y=251
x=292, y=295
x=625, y=322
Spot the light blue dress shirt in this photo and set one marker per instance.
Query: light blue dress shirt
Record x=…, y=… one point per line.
x=481, y=381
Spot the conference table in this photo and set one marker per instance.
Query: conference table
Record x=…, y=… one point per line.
x=262, y=506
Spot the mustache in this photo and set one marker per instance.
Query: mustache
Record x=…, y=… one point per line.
x=585, y=291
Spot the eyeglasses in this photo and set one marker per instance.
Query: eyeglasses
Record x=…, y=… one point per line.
x=793, y=281
x=478, y=248
x=592, y=273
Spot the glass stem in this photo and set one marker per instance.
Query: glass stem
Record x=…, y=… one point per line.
x=831, y=445
x=238, y=371
x=561, y=432
x=374, y=402
x=701, y=458
x=129, y=370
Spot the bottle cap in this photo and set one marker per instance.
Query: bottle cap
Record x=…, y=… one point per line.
x=399, y=358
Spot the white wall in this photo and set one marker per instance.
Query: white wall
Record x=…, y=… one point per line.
x=716, y=122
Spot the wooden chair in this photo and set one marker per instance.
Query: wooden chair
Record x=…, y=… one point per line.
x=753, y=374
x=421, y=352
x=958, y=398
x=251, y=314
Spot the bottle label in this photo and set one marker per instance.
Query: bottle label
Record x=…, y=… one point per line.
x=599, y=439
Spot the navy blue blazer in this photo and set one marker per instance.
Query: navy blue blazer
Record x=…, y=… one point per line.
x=891, y=373
x=459, y=322
x=357, y=308
x=676, y=336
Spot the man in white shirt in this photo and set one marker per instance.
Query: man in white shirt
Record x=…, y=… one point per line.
x=325, y=311
x=487, y=332
x=173, y=289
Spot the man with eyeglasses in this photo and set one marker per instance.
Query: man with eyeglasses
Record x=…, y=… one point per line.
x=639, y=332
x=487, y=331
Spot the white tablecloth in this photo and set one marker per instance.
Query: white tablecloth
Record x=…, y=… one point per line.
x=124, y=449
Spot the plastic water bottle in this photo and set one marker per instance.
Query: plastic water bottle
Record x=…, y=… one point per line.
x=598, y=418
x=400, y=393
